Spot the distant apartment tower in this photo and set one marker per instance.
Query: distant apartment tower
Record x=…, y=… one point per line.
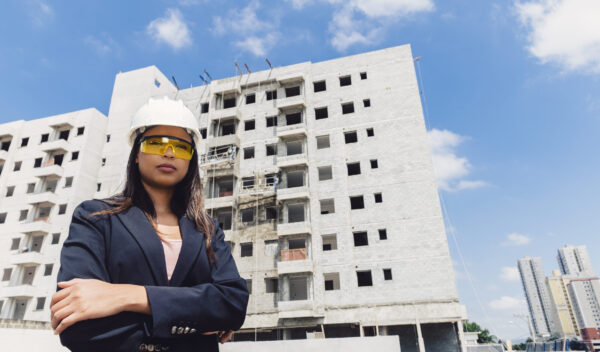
x=575, y=261
x=536, y=292
x=321, y=176
x=559, y=296
x=47, y=167
x=585, y=297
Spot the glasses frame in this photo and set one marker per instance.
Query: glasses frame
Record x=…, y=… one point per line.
x=192, y=144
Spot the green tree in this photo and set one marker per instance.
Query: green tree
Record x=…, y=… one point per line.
x=484, y=335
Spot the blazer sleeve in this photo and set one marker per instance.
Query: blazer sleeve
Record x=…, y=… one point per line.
x=83, y=256
x=218, y=305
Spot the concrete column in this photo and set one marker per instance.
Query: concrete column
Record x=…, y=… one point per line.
x=285, y=288
x=420, y=338
x=287, y=334
x=461, y=337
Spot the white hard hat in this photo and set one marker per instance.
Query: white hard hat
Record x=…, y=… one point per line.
x=164, y=111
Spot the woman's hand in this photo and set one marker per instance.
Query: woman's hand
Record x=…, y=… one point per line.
x=223, y=336
x=82, y=299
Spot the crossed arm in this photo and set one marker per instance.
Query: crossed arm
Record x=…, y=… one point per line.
x=87, y=308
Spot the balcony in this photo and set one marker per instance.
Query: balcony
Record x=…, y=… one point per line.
x=226, y=86
x=226, y=200
x=27, y=258
x=293, y=228
x=296, y=102
x=222, y=114
x=292, y=160
x=297, y=130
x=291, y=78
x=293, y=193
x=19, y=291
x=294, y=261
x=49, y=169
x=59, y=145
x=38, y=225
x=44, y=199
x=224, y=140
x=297, y=309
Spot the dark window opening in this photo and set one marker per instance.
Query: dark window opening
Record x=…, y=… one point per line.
x=363, y=75
x=271, y=149
x=247, y=215
x=44, y=138
x=292, y=91
x=17, y=166
x=361, y=239
x=55, y=238
x=246, y=249
x=378, y=198
x=272, y=95
x=80, y=130
x=249, y=125
x=347, y=108
x=382, y=234
x=321, y=113
x=319, y=86
x=292, y=119
x=271, y=285
x=345, y=81
x=353, y=169
x=322, y=142
x=37, y=162
x=64, y=135
x=328, y=285
x=271, y=121
x=5, y=145
x=387, y=274
x=204, y=108
x=364, y=278
x=48, y=269
x=366, y=103
x=107, y=138
x=249, y=153
x=74, y=155
x=374, y=164
x=203, y=133
x=370, y=132
x=98, y=187
x=251, y=98
x=229, y=103
x=24, y=141
x=62, y=209
x=357, y=202
x=351, y=137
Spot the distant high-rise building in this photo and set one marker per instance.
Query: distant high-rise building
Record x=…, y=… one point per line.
x=562, y=307
x=536, y=292
x=574, y=260
x=585, y=298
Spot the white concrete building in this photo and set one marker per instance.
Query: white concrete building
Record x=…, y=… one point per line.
x=538, y=298
x=574, y=261
x=47, y=167
x=559, y=297
x=585, y=298
x=321, y=177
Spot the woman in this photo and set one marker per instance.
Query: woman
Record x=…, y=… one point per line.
x=148, y=269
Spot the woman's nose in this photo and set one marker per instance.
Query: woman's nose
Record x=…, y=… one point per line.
x=169, y=152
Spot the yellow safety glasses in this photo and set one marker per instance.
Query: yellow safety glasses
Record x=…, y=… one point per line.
x=158, y=145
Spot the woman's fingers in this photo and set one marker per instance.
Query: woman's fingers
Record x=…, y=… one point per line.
x=60, y=317
x=66, y=322
x=58, y=296
x=226, y=336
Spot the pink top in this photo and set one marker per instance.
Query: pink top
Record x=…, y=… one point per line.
x=172, y=248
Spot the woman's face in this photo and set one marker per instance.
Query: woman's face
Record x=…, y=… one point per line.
x=163, y=171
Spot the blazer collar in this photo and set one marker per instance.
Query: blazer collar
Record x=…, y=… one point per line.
x=192, y=245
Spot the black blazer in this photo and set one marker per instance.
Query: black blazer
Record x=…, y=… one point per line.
x=124, y=248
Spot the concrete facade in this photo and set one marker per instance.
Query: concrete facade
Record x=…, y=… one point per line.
x=585, y=297
x=536, y=293
x=48, y=166
x=326, y=194
x=559, y=296
x=574, y=261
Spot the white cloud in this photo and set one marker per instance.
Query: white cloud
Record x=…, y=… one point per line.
x=449, y=168
x=508, y=303
x=363, y=21
x=516, y=239
x=102, y=46
x=299, y=4
x=39, y=12
x=510, y=274
x=257, y=46
x=255, y=35
x=563, y=32
x=171, y=30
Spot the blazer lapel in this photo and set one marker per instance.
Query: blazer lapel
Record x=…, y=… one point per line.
x=138, y=225
x=192, y=245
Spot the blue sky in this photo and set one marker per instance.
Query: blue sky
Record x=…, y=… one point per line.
x=512, y=91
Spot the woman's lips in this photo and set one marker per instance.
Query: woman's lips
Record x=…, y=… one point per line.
x=166, y=167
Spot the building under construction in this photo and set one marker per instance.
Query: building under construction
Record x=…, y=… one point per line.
x=320, y=175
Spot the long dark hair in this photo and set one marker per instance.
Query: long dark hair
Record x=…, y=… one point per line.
x=186, y=200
